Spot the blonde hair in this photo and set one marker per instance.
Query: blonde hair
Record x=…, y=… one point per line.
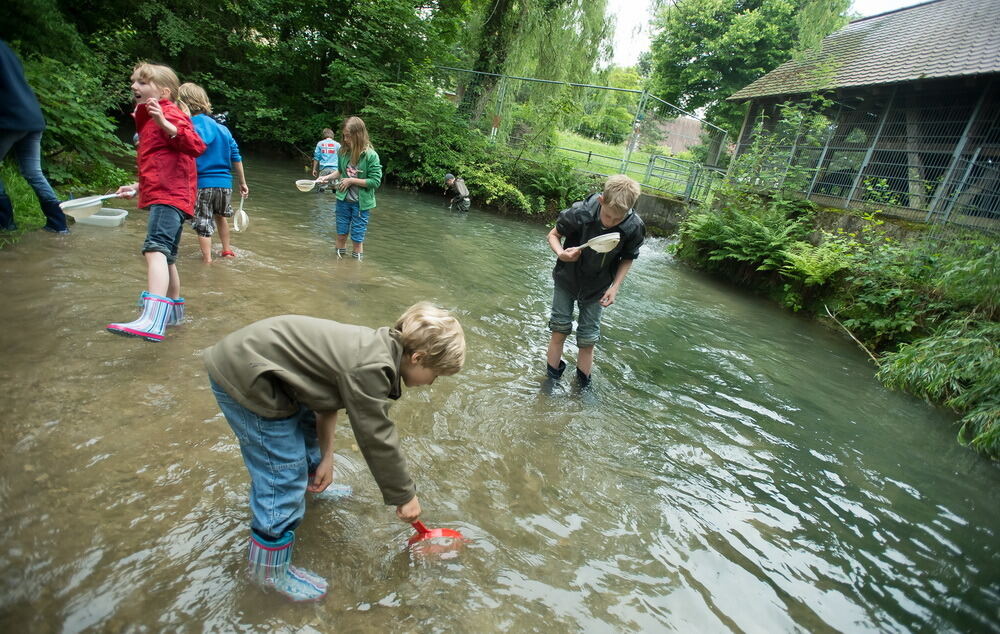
x=195, y=97
x=327, y=133
x=621, y=192
x=355, y=138
x=158, y=75
x=434, y=331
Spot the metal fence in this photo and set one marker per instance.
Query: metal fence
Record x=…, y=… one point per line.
x=597, y=129
x=925, y=152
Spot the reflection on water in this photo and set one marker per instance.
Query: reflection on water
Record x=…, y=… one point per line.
x=734, y=469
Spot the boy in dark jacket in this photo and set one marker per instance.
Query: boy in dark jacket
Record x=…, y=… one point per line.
x=586, y=277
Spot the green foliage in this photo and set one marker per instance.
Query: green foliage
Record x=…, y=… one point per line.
x=610, y=124
x=558, y=182
x=744, y=234
x=815, y=265
x=706, y=50
x=79, y=137
x=958, y=365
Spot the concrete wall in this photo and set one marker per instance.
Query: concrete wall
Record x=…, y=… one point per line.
x=661, y=214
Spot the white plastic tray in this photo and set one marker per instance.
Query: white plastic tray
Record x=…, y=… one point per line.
x=106, y=217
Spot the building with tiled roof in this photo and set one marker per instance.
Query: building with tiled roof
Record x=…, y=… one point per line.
x=915, y=121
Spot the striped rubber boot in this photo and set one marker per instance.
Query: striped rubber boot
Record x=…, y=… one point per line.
x=176, y=316
x=270, y=566
x=151, y=322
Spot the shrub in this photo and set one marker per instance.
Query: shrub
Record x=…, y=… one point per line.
x=958, y=365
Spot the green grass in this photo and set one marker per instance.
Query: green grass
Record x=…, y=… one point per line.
x=27, y=212
x=638, y=161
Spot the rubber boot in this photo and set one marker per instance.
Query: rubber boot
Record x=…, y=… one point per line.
x=358, y=255
x=270, y=566
x=341, y=253
x=151, y=323
x=582, y=380
x=176, y=315
x=555, y=373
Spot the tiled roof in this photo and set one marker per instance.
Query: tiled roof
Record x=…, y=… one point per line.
x=942, y=38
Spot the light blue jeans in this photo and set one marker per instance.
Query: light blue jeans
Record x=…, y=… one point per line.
x=279, y=454
x=351, y=218
x=588, y=329
x=27, y=148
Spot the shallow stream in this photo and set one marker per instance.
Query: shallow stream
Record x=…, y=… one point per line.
x=735, y=468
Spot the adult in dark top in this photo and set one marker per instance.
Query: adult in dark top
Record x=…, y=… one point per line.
x=21, y=125
x=586, y=277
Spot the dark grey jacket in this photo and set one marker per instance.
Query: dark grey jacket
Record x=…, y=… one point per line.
x=593, y=273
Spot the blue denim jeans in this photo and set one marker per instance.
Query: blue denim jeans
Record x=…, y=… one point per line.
x=27, y=148
x=163, y=231
x=279, y=454
x=588, y=329
x=351, y=218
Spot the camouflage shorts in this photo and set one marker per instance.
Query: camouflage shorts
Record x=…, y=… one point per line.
x=212, y=201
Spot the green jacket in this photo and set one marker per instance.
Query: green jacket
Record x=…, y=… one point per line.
x=273, y=366
x=369, y=168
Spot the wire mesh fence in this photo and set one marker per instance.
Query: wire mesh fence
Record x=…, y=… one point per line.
x=925, y=153
x=595, y=129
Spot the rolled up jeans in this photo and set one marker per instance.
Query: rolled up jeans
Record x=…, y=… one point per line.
x=588, y=331
x=279, y=454
x=27, y=148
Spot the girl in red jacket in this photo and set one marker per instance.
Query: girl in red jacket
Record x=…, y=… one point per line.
x=168, y=183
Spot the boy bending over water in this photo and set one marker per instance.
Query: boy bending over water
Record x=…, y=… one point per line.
x=280, y=383
x=585, y=277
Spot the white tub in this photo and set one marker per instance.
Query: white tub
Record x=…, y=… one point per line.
x=106, y=217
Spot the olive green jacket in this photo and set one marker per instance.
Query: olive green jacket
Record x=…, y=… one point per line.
x=274, y=366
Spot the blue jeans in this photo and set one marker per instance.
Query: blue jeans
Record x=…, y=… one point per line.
x=27, y=148
x=279, y=454
x=588, y=329
x=350, y=217
x=163, y=231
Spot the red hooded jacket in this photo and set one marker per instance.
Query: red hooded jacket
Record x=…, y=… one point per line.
x=167, y=171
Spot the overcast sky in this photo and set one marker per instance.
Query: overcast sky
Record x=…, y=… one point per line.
x=632, y=32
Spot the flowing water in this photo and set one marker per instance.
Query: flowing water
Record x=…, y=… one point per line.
x=735, y=468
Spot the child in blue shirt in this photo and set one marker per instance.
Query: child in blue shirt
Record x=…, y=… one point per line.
x=325, y=157
x=215, y=178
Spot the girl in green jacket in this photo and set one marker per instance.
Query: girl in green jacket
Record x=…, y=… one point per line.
x=358, y=164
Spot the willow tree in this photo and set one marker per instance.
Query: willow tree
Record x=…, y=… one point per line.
x=561, y=40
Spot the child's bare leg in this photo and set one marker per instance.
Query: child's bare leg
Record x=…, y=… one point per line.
x=554, y=354
x=585, y=359
x=358, y=246
x=206, y=249
x=223, y=227
x=341, y=240
x=174, y=286
x=158, y=275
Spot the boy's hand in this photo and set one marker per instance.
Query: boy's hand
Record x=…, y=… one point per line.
x=244, y=190
x=323, y=476
x=409, y=512
x=609, y=296
x=571, y=254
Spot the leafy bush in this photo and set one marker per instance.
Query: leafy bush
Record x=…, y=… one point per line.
x=79, y=138
x=958, y=365
x=557, y=182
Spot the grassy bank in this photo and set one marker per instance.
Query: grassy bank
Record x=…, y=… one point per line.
x=27, y=212
x=925, y=307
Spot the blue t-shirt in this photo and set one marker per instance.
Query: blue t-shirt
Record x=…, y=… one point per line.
x=221, y=151
x=326, y=154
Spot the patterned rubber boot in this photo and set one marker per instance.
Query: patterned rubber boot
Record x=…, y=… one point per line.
x=358, y=255
x=270, y=566
x=151, y=322
x=341, y=253
x=177, y=316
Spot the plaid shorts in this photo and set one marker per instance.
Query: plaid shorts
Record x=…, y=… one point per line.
x=212, y=201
